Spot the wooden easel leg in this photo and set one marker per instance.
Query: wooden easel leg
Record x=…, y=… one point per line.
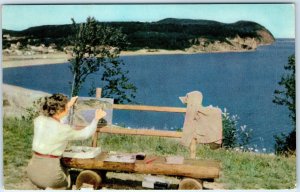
x=94, y=141
x=193, y=149
x=96, y=134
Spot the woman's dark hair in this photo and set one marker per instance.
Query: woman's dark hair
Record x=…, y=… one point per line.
x=53, y=104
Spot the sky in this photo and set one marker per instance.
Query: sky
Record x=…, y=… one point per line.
x=279, y=19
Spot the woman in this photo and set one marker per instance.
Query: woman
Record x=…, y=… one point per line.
x=50, y=140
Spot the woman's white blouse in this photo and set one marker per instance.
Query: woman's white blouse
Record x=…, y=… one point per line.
x=51, y=137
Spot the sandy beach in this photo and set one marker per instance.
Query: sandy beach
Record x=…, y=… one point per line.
x=32, y=60
x=61, y=57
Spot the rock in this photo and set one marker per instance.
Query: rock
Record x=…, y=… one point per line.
x=16, y=107
x=233, y=44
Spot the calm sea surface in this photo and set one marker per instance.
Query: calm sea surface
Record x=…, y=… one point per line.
x=243, y=83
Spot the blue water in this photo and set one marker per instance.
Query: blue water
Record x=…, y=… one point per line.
x=243, y=83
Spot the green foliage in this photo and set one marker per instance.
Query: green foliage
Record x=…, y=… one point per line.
x=17, y=140
x=95, y=47
x=229, y=131
x=247, y=170
x=33, y=111
x=168, y=33
x=118, y=85
x=286, y=144
x=287, y=97
x=17, y=150
x=234, y=136
x=240, y=170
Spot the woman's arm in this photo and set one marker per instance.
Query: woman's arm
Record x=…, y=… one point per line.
x=71, y=102
x=88, y=131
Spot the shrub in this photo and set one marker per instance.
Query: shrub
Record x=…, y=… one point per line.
x=233, y=135
x=33, y=111
x=286, y=144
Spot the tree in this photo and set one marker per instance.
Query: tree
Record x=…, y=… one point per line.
x=287, y=97
x=96, y=46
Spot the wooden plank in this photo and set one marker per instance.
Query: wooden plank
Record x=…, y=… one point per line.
x=96, y=134
x=98, y=93
x=98, y=163
x=193, y=149
x=95, y=138
x=201, y=169
x=150, y=108
x=144, y=132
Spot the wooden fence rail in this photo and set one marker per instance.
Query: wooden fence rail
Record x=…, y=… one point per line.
x=150, y=108
x=144, y=132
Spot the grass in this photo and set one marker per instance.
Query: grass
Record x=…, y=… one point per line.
x=17, y=140
x=240, y=170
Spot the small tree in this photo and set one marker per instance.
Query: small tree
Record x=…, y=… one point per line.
x=234, y=136
x=97, y=46
x=287, y=97
x=118, y=85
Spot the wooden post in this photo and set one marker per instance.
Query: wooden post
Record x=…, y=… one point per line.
x=193, y=147
x=96, y=134
x=98, y=93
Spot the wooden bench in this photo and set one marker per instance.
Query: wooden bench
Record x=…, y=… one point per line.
x=197, y=170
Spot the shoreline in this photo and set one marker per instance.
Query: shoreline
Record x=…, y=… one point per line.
x=60, y=57
x=9, y=61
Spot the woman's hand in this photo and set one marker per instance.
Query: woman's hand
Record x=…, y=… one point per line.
x=72, y=102
x=99, y=114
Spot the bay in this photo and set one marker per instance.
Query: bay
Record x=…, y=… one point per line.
x=241, y=82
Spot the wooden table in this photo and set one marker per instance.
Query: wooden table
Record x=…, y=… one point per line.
x=195, y=170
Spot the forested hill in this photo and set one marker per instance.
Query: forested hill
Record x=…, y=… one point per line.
x=168, y=33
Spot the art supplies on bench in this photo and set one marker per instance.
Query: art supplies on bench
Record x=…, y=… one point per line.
x=153, y=182
x=82, y=152
x=120, y=157
x=174, y=160
x=140, y=156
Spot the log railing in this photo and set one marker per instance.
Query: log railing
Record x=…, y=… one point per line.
x=144, y=132
x=149, y=108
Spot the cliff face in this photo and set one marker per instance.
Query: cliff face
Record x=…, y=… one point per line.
x=231, y=44
x=266, y=37
x=248, y=36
